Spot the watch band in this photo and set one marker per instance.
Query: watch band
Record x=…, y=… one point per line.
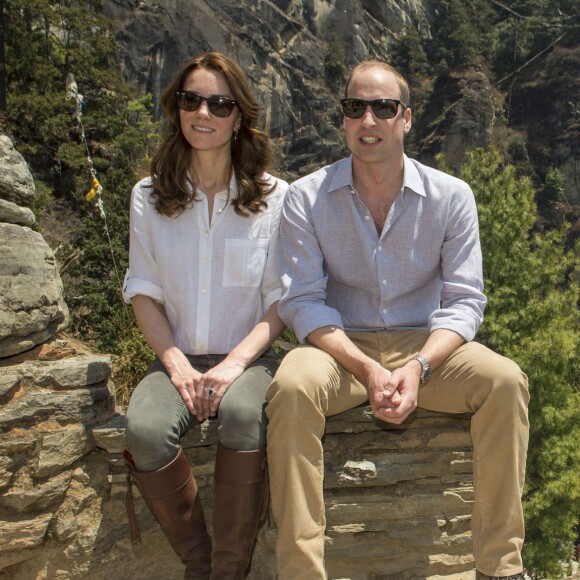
x=425, y=368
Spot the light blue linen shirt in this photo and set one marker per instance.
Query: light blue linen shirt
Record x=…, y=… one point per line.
x=423, y=272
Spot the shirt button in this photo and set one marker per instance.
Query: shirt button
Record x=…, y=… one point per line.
x=367, y=217
x=380, y=248
x=203, y=290
x=206, y=233
x=384, y=310
x=384, y=281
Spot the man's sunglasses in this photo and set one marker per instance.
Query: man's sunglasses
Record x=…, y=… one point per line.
x=218, y=106
x=382, y=108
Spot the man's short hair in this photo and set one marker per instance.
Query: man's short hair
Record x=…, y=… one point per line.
x=365, y=64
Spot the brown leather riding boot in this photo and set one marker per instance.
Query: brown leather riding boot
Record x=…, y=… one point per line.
x=240, y=499
x=171, y=494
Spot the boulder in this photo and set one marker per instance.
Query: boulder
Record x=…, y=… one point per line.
x=32, y=308
x=16, y=183
x=15, y=214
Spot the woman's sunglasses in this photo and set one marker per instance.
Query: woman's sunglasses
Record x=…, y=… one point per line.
x=218, y=106
x=382, y=108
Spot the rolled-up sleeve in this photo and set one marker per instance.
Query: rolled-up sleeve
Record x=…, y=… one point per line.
x=142, y=276
x=462, y=298
x=301, y=268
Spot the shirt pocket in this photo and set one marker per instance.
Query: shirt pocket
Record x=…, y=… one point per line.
x=244, y=262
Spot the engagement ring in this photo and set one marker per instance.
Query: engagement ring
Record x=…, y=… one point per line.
x=210, y=392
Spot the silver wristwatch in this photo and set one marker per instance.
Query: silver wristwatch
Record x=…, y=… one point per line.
x=425, y=368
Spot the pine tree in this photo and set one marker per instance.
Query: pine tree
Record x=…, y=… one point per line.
x=532, y=317
x=462, y=32
x=408, y=54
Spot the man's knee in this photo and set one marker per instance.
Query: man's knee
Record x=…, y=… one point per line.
x=510, y=377
x=302, y=376
x=508, y=384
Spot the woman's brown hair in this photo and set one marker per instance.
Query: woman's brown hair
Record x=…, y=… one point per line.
x=173, y=191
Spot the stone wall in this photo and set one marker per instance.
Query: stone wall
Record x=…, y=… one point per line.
x=51, y=484
x=398, y=501
x=398, y=498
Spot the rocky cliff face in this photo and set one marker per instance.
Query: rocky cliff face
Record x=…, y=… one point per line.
x=296, y=53
x=546, y=107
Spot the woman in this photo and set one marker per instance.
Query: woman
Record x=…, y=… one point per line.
x=203, y=284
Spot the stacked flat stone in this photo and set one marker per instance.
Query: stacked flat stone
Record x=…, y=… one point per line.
x=48, y=408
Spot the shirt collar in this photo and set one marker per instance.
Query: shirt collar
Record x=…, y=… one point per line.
x=411, y=178
x=343, y=176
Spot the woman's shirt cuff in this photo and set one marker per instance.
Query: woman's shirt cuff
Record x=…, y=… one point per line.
x=134, y=286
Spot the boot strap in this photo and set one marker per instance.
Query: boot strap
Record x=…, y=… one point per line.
x=134, y=531
x=265, y=498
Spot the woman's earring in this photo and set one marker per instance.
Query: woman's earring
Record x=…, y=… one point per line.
x=236, y=134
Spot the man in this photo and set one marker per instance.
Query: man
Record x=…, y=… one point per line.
x=382, y=279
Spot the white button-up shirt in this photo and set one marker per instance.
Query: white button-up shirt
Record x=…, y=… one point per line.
x=215, y=279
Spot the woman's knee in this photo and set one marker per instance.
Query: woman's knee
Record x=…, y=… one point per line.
x=242, y=426
x=141, y=432
x=151, y=444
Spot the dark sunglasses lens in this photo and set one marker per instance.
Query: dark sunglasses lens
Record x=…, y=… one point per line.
x=353, y=108
x=188, y=101
x=382, y=108
x=220, y=107
x=385, y=108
